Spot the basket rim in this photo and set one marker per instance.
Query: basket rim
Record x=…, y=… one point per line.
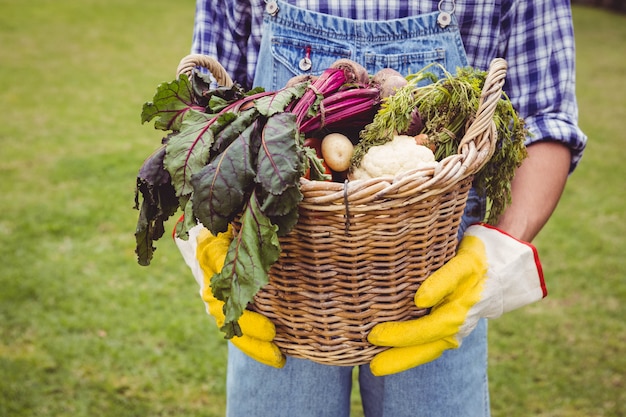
x=476, y=148
x=474, y=151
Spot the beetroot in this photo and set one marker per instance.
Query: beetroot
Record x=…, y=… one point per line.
x=416, y=124
x=297, y=79
x=381, y=76
x=388, y=80
x=355, y=72
x=391, y=84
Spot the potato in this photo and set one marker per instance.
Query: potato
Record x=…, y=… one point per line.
x=337, y=151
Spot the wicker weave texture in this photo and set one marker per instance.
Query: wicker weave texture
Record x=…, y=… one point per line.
x=361, y=249
x=340, y=275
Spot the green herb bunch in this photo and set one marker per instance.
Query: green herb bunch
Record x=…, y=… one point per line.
x=447, y=106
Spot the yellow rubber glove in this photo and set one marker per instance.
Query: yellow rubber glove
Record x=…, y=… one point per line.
x=491, y=273
x=205, y=254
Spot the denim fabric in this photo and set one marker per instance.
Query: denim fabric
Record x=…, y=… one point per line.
x=453, y=385
x=475, y=211
x=406, y=45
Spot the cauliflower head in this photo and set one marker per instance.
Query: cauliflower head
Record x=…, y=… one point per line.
x=399, y=155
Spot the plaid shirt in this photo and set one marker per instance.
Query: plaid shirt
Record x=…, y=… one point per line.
x=535, y=37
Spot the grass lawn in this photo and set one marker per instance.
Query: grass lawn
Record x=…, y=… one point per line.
x=85, y=331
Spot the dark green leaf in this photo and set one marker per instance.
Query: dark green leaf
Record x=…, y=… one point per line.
x=278, y=102
x=220, y=188
x=188, y=151
x=280, y=160
x=158, y=204
x=315, y=164
x=170, y=104
x=281, y=204
x=189, y=221
x=152, y=170
x=231, y=126
x=286, y=222
x=222, y=121
x=250, y=255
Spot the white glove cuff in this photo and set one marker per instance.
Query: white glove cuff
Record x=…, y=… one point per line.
x=188, y=249
x=513, y=264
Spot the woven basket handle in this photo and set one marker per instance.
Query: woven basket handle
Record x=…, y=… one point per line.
x=188, y=63
x=489, y=98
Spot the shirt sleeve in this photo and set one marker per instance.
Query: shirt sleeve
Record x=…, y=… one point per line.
x=229, y=31
x=541, y=79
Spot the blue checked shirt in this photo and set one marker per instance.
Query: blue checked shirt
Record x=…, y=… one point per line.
x=535, y=37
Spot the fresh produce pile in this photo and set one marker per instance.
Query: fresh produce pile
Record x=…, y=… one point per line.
x=240, y=156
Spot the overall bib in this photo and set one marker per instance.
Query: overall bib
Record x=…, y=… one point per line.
x=297, y=41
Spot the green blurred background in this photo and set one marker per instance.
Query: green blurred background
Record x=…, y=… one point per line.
x=85, y=331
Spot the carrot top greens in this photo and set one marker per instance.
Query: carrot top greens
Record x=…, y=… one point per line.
x=446, y=107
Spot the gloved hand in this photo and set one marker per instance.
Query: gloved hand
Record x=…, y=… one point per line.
x=205, y=254
x=492, y=273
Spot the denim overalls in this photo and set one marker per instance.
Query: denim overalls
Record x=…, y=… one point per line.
x=297, y=41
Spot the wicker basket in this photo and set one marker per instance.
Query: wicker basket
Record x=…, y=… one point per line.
x=361, y=249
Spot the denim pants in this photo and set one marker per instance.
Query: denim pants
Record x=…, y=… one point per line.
x=297, y=41
x=455, y=385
